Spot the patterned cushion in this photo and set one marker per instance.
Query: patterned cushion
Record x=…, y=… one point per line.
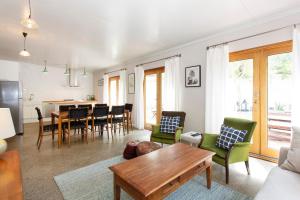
x=169, y=124
x=229, y=136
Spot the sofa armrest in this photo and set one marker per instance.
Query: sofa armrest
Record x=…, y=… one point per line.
x=155, y=129
x=208, y=140
x=239, y=152
x=282, y=155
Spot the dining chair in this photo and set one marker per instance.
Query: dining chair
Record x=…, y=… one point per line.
x=64, y=108
x=78, y=119
x=117, y=118
x=100, y=119
x=89, y=106
x=44, y=130
x=128, y=119
x=100, y=104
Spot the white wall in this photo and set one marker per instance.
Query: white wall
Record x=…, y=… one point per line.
x=194, y=53
x=50, y=86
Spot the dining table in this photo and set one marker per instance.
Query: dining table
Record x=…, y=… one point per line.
x=62, y=116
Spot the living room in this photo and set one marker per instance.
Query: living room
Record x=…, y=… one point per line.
x=179, y=100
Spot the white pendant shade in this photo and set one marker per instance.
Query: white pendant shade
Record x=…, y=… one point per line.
x=29, y=23
x=7, y=128
x=24, y=53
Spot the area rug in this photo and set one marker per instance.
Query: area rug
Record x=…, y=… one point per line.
x=95, y=182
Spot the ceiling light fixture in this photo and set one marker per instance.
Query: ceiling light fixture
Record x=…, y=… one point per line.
x=84, y=74
x=28, y=22
x=24, y=52
x=67, y=72
x=45, y=67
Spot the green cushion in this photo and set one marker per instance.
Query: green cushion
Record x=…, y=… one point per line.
x=163, y=136
x=220, y=152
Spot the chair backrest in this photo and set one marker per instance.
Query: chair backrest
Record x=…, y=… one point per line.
x=63, y=108
x=40, y=116
x=241, y=124
x=89, y=106
x=78, y=113
x=128, y=106
x=100, y=104
x=117, y=110
x=101, y=111
x=175, y=114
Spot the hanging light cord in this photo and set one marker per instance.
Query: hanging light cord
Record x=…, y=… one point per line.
x=25, y=41
x=29, y=3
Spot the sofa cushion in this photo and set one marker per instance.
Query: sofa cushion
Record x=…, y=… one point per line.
x=169, y=124
x=163, y=136
x=295, y=142
x=229, y=136
x=280, y=184
x=292, y=162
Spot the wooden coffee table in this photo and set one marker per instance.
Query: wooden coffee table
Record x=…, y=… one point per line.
x=157, y=174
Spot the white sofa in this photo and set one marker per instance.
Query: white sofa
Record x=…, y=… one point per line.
x=280, y=184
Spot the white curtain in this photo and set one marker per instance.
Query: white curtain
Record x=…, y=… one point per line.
x=139, y=97
x=216, y=70
x=172, y=85
x=105, y=89
x=296, y=78
x=122, y=88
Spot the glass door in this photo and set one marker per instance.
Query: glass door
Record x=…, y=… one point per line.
x=114, y=90
x=277, y=100
x=153, y=96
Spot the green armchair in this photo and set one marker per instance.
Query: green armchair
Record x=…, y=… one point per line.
x=167, y=138
x=239, y=152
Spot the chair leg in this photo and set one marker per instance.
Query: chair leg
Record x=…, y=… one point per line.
x=40, y=143
x=227, y=172
x=247, y=167
x=119, y=128
x=38, y=140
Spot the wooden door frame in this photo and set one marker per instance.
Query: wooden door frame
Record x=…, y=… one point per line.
x=158, y=71
x=117, y=79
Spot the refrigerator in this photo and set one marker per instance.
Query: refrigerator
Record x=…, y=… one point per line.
x=11, y=97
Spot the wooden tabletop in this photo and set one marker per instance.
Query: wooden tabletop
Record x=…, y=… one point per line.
x=150, y=172
x=10, y=176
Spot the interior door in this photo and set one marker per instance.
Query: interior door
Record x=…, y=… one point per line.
x=114, y=90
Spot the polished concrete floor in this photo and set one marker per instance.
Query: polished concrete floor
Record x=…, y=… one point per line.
x=39, y=167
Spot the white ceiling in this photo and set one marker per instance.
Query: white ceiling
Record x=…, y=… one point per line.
x=98, y=33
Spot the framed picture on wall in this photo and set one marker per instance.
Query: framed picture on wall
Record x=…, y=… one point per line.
x=101, y=82
x=131, y=83
x=193, y=76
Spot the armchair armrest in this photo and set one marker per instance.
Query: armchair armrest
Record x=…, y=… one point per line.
x=155, y=129
x=239, y=152
x=208, y=140
x=178, y=133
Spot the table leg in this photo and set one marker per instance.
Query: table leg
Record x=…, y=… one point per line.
x=208, y=176
x=59, y=131
x=117, y=190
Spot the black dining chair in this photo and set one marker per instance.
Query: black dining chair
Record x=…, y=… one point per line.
x=44, y=130
x=117, y=118
x=128, y=117
x=64, y=108
x=100, y=119
x=78, y=119
x=100, y=104
x=89, y=106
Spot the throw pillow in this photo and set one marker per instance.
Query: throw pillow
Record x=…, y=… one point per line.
x=229, y=136
x=169, y=124
x=295, y=142
x=292, y=162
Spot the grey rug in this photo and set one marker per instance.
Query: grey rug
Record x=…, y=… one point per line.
x=96, y=182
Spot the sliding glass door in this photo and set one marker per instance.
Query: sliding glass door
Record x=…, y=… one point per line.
x=153, y=84
x=259, y=81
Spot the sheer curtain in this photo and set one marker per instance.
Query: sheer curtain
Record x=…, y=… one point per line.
x=172, y=85
x=139, y=97
x=122, y=88
x=105, y=89
x=216, y=68
x=296, y=77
